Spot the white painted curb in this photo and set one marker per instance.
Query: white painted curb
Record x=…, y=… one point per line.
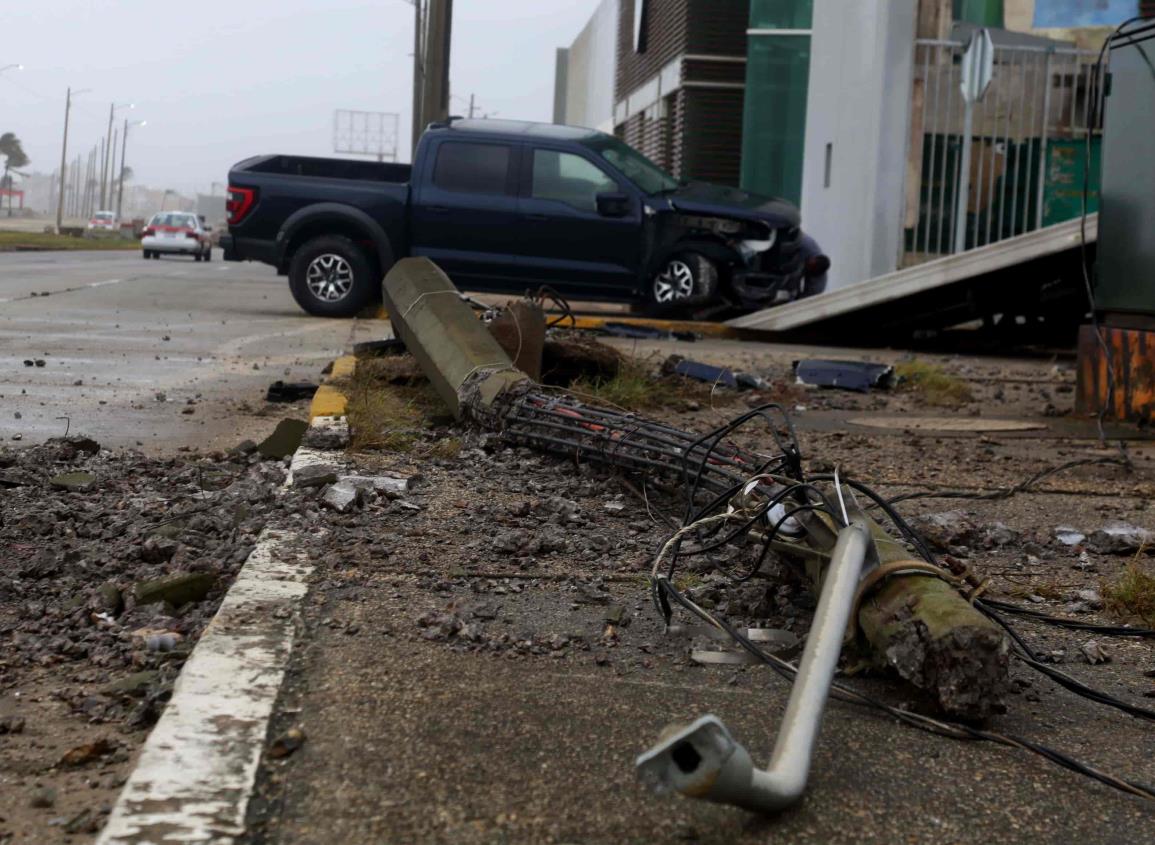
x=195, y=774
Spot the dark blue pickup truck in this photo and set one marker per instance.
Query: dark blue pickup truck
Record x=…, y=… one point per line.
x=507, y=207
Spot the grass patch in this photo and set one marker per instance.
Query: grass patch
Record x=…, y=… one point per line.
x=40, y=241
x=385, y=415
x=637, y=388
x=934, y=385
x=1133, y=594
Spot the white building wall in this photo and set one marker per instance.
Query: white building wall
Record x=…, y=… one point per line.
x=590, y=68
x=857, y=127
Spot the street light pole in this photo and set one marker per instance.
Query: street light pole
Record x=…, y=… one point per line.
x=123, y=148
x=63, y=157
x=107, y=163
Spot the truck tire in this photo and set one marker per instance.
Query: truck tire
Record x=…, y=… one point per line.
x=330, y=276
x=688, y=278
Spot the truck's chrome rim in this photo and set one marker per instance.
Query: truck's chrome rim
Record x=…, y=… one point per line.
x=329, y=277
x=675, y=282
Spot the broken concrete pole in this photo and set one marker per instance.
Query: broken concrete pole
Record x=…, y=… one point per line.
x=919, y=625
x=520, y=330
x=466, y=366
x=284, y=440
x=180, y=589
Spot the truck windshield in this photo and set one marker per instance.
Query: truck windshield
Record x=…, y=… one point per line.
x=635, y=166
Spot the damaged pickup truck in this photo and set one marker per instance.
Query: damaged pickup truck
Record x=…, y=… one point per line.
x=506, y=207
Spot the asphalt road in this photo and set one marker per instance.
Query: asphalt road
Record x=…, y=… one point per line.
x=127, y=344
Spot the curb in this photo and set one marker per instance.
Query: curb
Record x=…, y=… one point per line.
x=589, y=321
x=195, y=774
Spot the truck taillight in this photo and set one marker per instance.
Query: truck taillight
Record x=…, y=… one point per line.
x=148, y=232
x=239, y=203
x=190, y=233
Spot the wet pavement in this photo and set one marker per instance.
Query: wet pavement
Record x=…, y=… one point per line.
x=158, y=354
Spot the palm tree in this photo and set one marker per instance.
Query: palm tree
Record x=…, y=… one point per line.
x=14, y=157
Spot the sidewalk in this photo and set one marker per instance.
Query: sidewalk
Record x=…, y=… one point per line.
x=485, y=669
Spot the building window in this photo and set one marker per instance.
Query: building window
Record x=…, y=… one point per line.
x=640, y=26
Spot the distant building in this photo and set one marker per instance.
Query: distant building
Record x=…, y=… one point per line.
x=584, y=81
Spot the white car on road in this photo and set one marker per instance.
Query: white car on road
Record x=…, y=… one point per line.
x=177, y=232
x=104, y=221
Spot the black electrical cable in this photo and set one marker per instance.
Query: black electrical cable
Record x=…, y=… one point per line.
x=1072, y=624
x=1007, y=492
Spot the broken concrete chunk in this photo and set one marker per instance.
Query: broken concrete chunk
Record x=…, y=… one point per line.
x=944, y=530
x=1120, y=538
x=180, y=589
x=110, y=597
x=315, y=475
x=343, y=496
x=284, y=440
x=73, y=482
x=386, y=485
x=1069, y=536
x=327, y=433
x=134, y=685
x=245, y=447
x=1094, y=652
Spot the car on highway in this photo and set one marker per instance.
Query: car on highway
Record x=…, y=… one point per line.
x=102, y=221
x=177, y=233
x=508, y=206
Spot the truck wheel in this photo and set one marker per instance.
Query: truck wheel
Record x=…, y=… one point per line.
x=687, y=278
x=330, y=277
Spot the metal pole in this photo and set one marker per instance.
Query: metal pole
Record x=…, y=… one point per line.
x=964, y=174
x=471, y=106
x=1043, y=142
x=106, y=164
x=63, y=157
x=120, y=182
x=435, y=99
x=418, y=73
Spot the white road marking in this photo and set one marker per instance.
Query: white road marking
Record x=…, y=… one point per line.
x=105, y=282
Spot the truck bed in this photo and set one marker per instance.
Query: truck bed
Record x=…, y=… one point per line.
x=326, y=168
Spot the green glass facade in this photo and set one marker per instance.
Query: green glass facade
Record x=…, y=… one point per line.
x=979, y=12
x=777, y=77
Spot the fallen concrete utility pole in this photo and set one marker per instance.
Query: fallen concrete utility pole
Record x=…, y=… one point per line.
x=919, y=625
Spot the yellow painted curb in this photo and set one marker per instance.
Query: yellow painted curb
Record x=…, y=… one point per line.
x=328, y=401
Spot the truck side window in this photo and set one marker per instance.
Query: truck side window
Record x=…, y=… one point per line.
x=472, y=168
x=569, y=178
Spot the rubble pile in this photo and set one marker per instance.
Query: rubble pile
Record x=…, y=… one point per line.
x=114, y=563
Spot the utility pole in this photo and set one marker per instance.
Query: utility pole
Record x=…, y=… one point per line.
x=104, y=153
x=471, y=106
x=112, y=165
x=63, y=156
x=435, y=99
x=123, y=148
x=418, y=71
x=106, y=166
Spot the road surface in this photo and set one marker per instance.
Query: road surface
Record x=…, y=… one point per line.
x=128, y=344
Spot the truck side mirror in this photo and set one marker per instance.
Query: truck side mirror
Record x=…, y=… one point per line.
x=613, y=205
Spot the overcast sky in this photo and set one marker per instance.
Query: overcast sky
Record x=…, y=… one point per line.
x=220, y=80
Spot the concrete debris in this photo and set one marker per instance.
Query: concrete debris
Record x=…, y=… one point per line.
x=328, y=434
x=1069, y=536
x=391, y=486
x=43, y=798
x=315, y=475
x=1094, y=652
x=1120, y=538
x=11, y=725
x=177, y=590
x=567, y=358
x=343, y=496
x=946, y=531
x=285, y=439
x=519, y=328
